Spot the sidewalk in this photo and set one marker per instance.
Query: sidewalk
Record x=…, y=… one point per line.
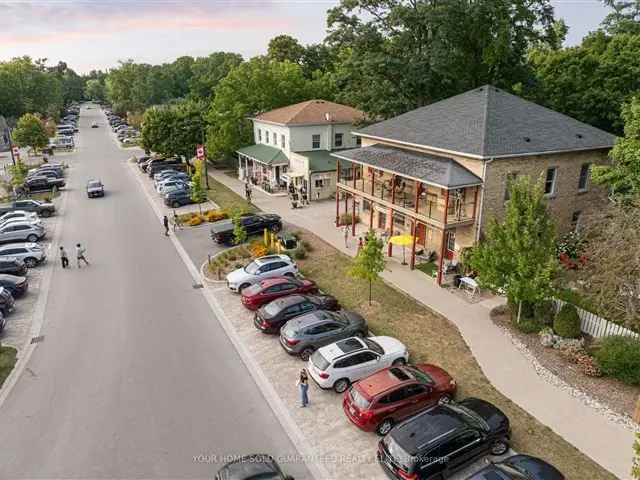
x=606, y=442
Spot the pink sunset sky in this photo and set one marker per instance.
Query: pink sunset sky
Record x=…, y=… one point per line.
x=95, y=34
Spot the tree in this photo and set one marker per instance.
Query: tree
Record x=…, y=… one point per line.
x=207, y=72
x=369, y=261
x=623, y=175
x=239, y=232
x=95, y=90
x=518, y=255
x=156, y=129
x=18, y=174
x=198, y=195
x=251, y=88
x=31, y=132
x=397, y=55
x=625, y=17
x=285, y=48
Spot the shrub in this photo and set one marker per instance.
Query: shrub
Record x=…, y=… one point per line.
x=258, y=249
x=195, y=220
x=345, y=219
x=307, y=246
x=528, y=325
x=567, y=322
x=214, y=215
x=300, y=253
x=543, y=312
x=619, y=357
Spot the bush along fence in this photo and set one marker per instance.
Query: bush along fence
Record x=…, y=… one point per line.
x=596, y=326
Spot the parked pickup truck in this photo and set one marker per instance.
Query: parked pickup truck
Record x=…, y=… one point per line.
x=222, y=231
x=40, y=183
x=44, y=209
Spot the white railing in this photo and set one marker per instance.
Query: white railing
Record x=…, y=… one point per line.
x=596, y=326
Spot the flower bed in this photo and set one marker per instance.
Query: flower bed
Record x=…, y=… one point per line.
x=194, y=219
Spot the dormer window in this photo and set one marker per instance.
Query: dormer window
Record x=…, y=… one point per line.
x=266, y=136
x=259, y=136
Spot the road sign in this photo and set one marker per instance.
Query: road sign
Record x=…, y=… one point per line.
x=200, y=152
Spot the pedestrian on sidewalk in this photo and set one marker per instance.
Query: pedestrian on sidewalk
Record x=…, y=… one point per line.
x=165, y=221
x=63, y=257
x=177, y=224
x=303, y=386
x=80, y=255
x=360, y=244
x=346, y=236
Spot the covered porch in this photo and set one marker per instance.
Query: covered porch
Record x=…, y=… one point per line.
x=264, y=167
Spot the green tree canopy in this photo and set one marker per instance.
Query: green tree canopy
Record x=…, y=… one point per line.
x=95, y=90
x=31, y=132
x=397, y=55
x=625, y=17
x=208, y=71
x=369, y=261
x=518, y=255
x=285, y=48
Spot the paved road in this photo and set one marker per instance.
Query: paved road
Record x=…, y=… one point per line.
x=134, y=377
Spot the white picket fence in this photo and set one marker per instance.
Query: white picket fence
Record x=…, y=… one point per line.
x=596, y=326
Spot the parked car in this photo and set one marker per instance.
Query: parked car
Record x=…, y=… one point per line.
x=33, y=221
x=172, y=176
x=252, y=467
x=179, y=187
x=168, y=173
x=266, y=290
x=222, y=231
x=16, y=285
x=170, y=185
x=259, y=269
x=49, y=173
x=142, y=159
x=95, y=188
x=379, y=401
x=3, y=322
x=19, y=215
x=271, y=317
x=168, y=165
x=55, y=167
x=13, y=266
x=518, y=467
x=31, y=253
x=443, y=439
x=6, y=302
x=21, y=232
x=177, y=198
x=303, y=335
x=44, y=209
x=42, y=183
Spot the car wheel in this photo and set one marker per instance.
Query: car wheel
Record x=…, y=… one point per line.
x=341, y=385
x=32, y=238
x=175, y=204
x=385, y=427
x=499, y=447
x=306, y=353
x=45, y=213
x=361, y=334
x=399, y=361
x=30, y=262
x=289, y=274
x=446, y=398
x=243, y=286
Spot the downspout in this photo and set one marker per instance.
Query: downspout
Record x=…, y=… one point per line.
x=484, y=177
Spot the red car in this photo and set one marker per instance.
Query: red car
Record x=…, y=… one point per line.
x=378, y=402
x=258, y=294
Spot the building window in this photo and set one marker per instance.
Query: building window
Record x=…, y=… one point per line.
x=359, y=141
x=282, y=141
x=275, y=139
x=575, y=220
x=320, y=183
x=259, y=136
x=451, y=240
x=511, y=178
x=338, y=140
x=550, y=181
x=315, y=141
x=398, y=219
x=266, y=136
x=583, y=182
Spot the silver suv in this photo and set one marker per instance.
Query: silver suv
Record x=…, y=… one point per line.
x=31, y=253
x=21, y=232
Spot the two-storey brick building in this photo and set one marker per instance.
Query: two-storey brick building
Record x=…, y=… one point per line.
x=442, y=171
x=293, y=146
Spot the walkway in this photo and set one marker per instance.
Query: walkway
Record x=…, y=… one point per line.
x=606, y=442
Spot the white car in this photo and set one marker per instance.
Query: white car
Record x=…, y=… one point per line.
x=169, y=183
x=19, y=214
x=31, y=220
x=340, y=364
x=259, y=269
x=172, y=187
x=31, y=253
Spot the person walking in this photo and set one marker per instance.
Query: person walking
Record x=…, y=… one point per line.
x=177, y=224
x=360, y=244
x=165, y=221
x=80, y=255
x=63, y=257
x=346, y=236
x=303, y=386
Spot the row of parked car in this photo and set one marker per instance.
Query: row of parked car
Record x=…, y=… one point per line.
x=65, y=130
x=124, y=132
x=426, y=434
x=44, y=178
x=170, y=179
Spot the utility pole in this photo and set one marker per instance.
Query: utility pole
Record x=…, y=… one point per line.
x=13, y=158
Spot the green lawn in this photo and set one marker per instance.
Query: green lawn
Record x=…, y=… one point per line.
x=8, y=357
x=429, y=268
x=226, y=198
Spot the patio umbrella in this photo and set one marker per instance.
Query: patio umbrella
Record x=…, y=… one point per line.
x=403, y=241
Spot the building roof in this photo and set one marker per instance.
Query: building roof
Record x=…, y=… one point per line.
x=432, y=169
x=319, y=160
x=488, y=122
x=312, y=112
x=265, y=154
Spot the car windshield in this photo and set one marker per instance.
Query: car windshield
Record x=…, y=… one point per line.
x=252, y=268
x=319, y=361
x=420, y=375
x=402, y=458
x=253, y=289
x=94, y=184
x=272, y=308
x=469, y=414
x=373, y=346
x=358, y=399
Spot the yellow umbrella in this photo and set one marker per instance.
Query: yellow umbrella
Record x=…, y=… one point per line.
x=403, y=241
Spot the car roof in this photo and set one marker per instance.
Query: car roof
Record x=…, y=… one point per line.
x=341, y=348
x=314, y=317
x=272, y=258
x=22, y=222
x=385, y=380
x=288, y=300
x=17, y=245
x=427, y=429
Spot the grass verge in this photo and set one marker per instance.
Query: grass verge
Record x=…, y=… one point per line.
x=226, y=198
x=432, y=338
x=8, y=358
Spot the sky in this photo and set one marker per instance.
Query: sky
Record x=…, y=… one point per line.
x=95, y=34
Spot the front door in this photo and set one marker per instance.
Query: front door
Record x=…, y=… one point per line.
x=421, y=234
x=278, y=175
x=450, y=244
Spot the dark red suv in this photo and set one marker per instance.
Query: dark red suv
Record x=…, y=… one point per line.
x=258, y=294
x=379, y=401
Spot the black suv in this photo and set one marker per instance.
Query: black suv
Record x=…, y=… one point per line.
x=6, y=301
x=222, y=231
x=443, y=439
x=177, y=198
x=13, y=266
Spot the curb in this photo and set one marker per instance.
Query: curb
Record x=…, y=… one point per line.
x=206, y=279
x=317, y=470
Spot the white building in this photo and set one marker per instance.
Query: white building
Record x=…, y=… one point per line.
x=293, y=145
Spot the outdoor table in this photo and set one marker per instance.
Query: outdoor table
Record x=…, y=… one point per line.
x=470, y=284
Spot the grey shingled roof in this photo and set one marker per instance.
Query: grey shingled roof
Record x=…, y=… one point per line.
x=433, y=169
x=488, y=122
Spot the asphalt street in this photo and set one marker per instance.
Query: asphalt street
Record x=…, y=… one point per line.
x=135, y=378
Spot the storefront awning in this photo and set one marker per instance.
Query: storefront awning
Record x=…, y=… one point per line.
x=265, y=155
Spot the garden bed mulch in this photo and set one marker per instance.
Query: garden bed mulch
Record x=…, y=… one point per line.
x=620, y=398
